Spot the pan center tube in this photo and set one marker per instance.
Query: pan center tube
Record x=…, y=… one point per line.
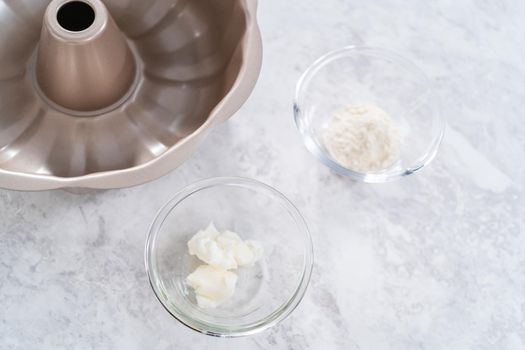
x=76, y=16
x=84, y=62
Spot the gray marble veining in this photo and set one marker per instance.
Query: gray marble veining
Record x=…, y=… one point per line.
x=434, y=261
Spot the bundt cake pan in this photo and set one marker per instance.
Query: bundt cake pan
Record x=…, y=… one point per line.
x=110, y=94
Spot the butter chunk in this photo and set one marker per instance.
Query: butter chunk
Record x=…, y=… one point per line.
x=206, y=246
x=226, y=249
x=213, y=285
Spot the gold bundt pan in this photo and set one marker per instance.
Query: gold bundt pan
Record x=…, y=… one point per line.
x=115, y=93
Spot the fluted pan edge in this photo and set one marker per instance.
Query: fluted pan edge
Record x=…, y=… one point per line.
x=243, y=69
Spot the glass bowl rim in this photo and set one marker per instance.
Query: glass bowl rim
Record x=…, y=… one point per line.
x=270, y=320
x=309, y=139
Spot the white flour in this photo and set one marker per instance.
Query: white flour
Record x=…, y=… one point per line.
x=363, y=138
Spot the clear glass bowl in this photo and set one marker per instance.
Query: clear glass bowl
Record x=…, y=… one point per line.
x=355, y=75
x=265, y=293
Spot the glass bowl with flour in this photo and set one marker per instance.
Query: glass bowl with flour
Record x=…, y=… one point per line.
x=369, y=114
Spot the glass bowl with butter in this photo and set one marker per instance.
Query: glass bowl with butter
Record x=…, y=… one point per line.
x=369, y=114
x=229, y=257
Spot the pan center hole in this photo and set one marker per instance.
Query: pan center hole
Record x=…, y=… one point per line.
x=76, y=16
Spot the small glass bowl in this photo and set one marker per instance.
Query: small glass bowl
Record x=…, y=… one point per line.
x=266, y=293
x=357, y=75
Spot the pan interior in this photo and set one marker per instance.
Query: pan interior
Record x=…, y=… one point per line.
x=185, y=51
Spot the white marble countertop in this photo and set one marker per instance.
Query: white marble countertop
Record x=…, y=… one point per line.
x=435, y=261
